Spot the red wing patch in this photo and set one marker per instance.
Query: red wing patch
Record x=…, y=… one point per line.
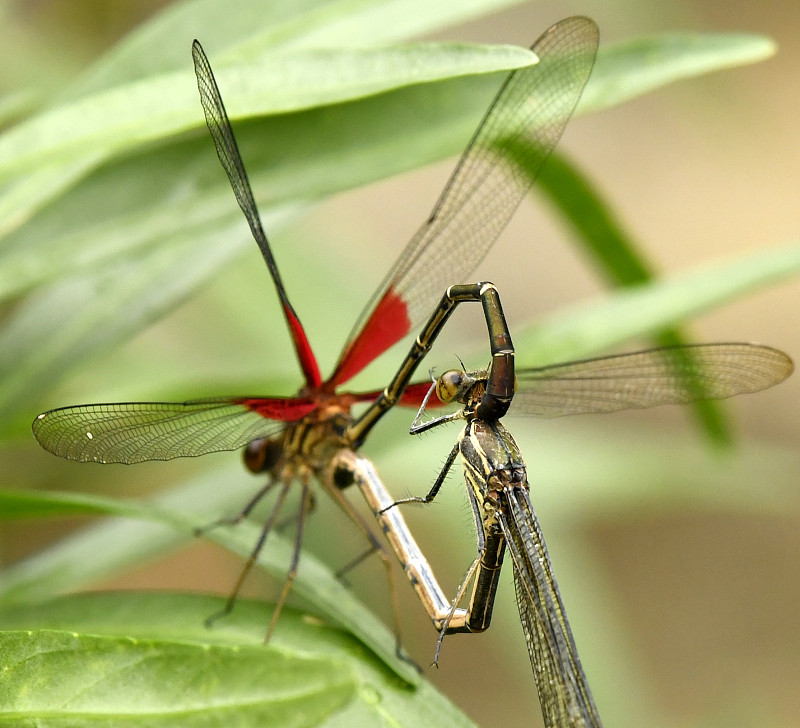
x=415, y=393
x=308, y=362
x=388, y=324
x=283, y=409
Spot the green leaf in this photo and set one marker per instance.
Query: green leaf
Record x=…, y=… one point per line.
x=592, y=220
x=68, y=678
x=163, y=106
x=119, y=658
x=160, y=44
x=169, y=521
x=15, y=105
x=47, y=332
x=42, y=504
x=634, y=67
x=113, y=545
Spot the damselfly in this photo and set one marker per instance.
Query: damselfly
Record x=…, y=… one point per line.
x=498, y=489
x=297, y=437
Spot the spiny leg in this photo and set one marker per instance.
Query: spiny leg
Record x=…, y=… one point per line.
x=432, y=493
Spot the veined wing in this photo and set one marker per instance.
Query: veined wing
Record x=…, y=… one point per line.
x=564, y=693
x=667, y=375
x=228, y=152
x=482, y=194
x=133, y=432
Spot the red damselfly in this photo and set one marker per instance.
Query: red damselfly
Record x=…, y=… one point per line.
x=297, y=438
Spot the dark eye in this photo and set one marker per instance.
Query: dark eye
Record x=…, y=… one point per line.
x=261, y=455
x=449, y=385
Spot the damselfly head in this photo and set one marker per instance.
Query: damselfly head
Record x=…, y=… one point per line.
x=456, y=384
x=448, y=385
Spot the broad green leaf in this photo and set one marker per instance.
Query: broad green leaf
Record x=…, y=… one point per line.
x=118, y=649
x=68, y=678
x=164, y=106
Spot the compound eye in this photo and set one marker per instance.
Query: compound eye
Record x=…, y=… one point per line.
x=261, y=455
x=449, y=385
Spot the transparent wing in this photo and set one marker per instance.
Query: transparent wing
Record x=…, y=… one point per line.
x=667, y=375
x=137, y=431
x=564, y=694
x=228, y=152
x=483, y=192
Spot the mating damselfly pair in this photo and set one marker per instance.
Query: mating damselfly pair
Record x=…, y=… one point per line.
x=314, y=435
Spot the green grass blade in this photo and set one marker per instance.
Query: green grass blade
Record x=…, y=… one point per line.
x=589, y=329
x=160, y=44
x=160, y=107
x=616, y=255
x=634, y=67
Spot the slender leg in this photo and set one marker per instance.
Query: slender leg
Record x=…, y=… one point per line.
x=251, y=560
x=305, y=507
x=292, y=518
x=244, y=513
x=353, y=563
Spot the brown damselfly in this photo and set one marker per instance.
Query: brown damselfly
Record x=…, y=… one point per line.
x=498, y=489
